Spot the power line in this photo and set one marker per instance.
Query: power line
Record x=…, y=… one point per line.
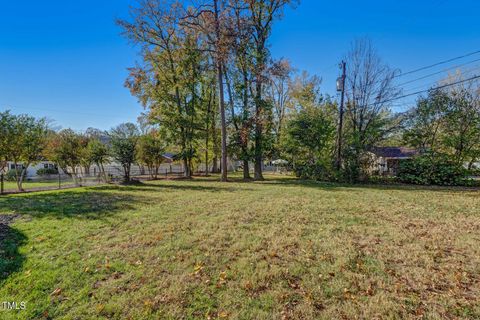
x=466, y=72
x=431, y=66
x=438, y=63
x=439, y=72
x=436, y=88
x=423, y=91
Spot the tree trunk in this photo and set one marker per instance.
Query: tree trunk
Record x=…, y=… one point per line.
x=259, y=114
x=206, y=158
x=126, y=173
x=246, y=170
x=215, y=165
x=221, y=96
x=186, y=167
x=207, y=136
x=258, y=134
x=102, y=168
x=23, y=173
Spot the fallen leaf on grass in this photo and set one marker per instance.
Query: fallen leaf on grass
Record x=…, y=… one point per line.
x=222, y=279
x=100, y=308
x=198, y=268
x=56, y=292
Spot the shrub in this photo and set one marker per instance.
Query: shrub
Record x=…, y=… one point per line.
x=12, y=175
x=46, y=171
x=433, y=169
x=314, y=171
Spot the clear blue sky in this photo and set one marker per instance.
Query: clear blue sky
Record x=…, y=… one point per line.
x=66, y=60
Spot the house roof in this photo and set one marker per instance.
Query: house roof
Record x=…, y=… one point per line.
x=394, y=152
x=169, y=155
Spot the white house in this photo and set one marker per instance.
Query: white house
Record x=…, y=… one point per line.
x=32, y=169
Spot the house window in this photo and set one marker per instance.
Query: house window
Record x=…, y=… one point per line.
x=12, y=166
x=45, y=165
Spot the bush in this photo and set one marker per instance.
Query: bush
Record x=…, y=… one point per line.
x=314, y=171
x=432, y=169
x=11, y=175
x=46, y=171
x=475, y=172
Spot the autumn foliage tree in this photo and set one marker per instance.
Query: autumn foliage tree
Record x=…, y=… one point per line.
x=169, y=80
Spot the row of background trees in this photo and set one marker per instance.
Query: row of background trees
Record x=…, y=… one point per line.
x=207, y=79
x=25, y=141
x=211, y=89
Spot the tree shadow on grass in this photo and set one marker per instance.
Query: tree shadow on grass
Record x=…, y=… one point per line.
x=332, y=186
x=11, y=260
x=183, y=185
x=87, y=204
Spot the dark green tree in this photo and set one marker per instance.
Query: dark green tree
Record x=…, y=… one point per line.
x=123, y=141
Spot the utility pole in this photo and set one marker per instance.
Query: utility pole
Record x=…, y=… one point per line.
x=340, y=88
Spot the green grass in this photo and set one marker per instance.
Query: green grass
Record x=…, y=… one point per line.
x=12, y=185
x=279, y=249
x=50, y=184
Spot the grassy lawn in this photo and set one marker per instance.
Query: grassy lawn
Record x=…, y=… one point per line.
x=35, y=185
x=279, y=249
x=12, y=185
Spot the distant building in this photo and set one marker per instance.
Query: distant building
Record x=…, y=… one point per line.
x=387, y=159
x=170, y=165
x=32, y=169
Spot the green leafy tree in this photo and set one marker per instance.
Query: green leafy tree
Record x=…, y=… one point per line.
x=447, y=122
x=99, y=154
x=150, y=152
x=170, y=80
x=26, y=138
x=86, y=160
x=425, y=122
x=6, y=133
x=261, y=15
x=308, y=142
x=123, y=140
x=65, y=149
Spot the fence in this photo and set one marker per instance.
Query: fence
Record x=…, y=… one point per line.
x=94, y=176
x=84, y=179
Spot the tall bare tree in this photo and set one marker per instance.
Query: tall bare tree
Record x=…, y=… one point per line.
x=369, y=89
x=279, y=92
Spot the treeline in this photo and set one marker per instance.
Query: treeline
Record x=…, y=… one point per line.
x=206, y=72
x=25, y=141
x=207, y=79
x=212, y=92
